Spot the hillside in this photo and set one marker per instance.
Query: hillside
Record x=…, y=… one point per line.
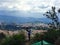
x=11, y=19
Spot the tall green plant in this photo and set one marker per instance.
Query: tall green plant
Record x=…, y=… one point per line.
x=37, y=37
x=53, y=16
x=18, y=39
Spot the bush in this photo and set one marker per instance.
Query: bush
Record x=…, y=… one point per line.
x=37, y=37
x=57, y=41
x=51, y=36
x=17, y=39
x=2, y=35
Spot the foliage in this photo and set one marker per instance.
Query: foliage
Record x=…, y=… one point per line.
x=37, y=37
x=57, y=41
x=2, y=35
x=17, y=39
x=51, y=36
x=59, y=10
x=53, y=16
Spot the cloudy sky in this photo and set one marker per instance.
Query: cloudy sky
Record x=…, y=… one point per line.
x=26, y=8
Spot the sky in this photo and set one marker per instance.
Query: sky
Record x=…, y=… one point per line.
x=27, y=8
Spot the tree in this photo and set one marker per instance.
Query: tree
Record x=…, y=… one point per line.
x=58, y=10
x=51, y=14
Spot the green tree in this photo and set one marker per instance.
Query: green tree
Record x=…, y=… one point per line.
x=51, y=14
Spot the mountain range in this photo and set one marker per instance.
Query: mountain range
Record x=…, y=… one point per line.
x=11, y=19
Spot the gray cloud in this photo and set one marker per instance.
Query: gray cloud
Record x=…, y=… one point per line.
x=32, y=8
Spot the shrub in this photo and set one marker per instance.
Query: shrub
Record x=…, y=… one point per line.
x=51, y=36
x=17, y=39
x=37, y=37
x=2, y=35
x=57, y=41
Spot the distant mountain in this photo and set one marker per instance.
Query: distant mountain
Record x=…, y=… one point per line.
x=11, y=19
